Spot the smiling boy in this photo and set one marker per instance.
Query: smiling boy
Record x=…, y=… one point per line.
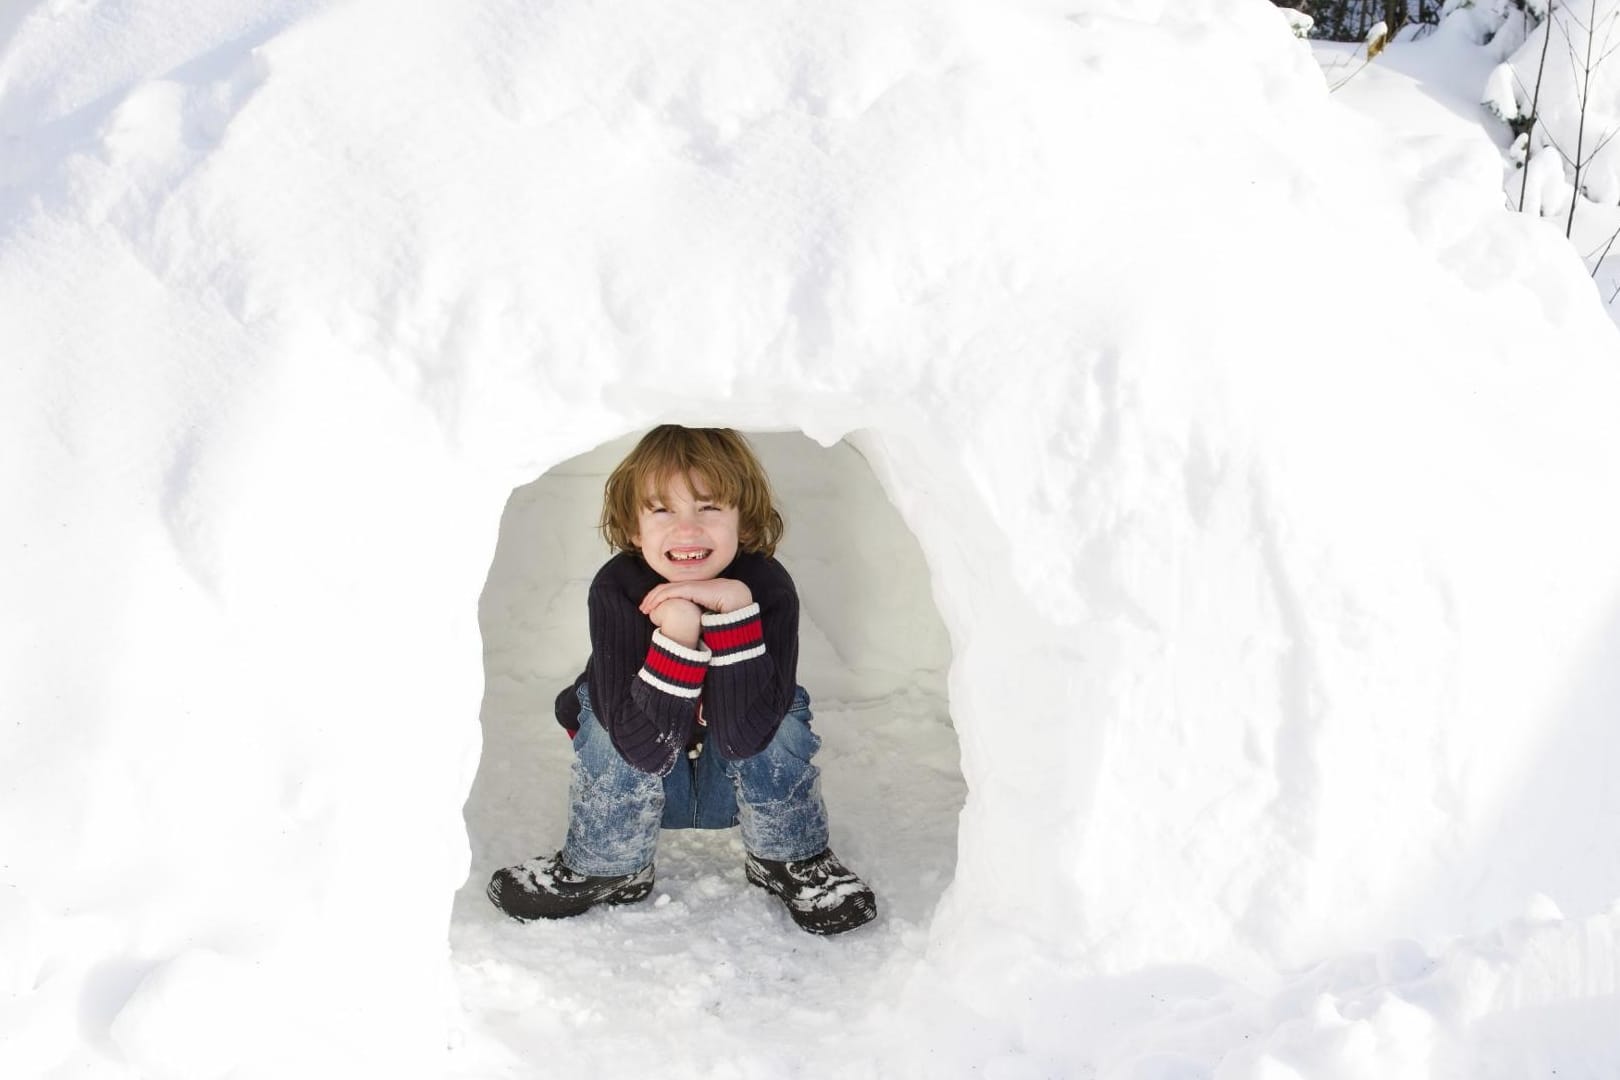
x=688, y=714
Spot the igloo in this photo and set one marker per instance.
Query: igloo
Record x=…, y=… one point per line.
x=1272, y=642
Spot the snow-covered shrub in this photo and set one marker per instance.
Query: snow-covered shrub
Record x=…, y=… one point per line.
x=1561, y=85
x=1501, y=100
x=1299, y=22
x=1377, y=37
x=1546, y=191
x=1502, y=23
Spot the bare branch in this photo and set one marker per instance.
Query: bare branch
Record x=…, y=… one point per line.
x=1535, y=106
x=1580, y=128
x=1350, y=76
x=1553, y=142
x=1608, y=29
x=1562, y=29
x=1517, y=82
x=1611, y=133
x=1605, y=254
x=1608, y=35
x=1357, y=71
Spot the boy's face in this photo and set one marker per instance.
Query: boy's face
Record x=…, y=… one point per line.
x=687, y=537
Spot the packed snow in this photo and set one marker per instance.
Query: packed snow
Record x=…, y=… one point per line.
x=1201, y=483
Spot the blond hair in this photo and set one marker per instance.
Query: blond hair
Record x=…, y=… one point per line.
x=721, y=466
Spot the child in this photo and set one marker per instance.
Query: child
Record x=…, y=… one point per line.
x=687, y=714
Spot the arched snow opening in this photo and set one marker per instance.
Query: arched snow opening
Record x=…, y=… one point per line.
x=873, y=657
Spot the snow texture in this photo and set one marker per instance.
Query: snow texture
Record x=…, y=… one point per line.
x=1284, y=644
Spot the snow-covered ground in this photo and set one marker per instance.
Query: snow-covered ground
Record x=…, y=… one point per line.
x=1256, y=465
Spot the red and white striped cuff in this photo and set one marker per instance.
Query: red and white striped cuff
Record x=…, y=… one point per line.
x=735, y=636
x=674, y=668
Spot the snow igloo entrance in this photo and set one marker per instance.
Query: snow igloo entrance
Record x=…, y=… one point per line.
x=873, y=656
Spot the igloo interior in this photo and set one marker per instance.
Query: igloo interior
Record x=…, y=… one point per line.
x=1279, y=663
x=873, y=654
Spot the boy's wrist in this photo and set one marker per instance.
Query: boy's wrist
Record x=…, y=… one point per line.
x=683, y=633
x=679, y=620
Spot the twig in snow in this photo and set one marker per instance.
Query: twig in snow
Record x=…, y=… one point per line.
x=1535, y=103
x=1605, y=254
x=1377, y=38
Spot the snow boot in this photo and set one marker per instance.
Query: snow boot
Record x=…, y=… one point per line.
x=820, y=892
x=545, y=888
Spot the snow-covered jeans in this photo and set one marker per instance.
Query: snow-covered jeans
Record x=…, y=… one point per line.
x=616, y=810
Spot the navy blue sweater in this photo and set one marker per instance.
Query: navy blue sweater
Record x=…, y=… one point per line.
x=645, y=688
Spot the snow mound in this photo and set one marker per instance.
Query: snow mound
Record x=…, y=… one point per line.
x=1275, y=631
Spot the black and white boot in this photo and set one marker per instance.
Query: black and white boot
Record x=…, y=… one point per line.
x=545, y=888
x=820, y=892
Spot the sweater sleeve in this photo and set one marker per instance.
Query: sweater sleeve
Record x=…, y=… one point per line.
x=644, y=692
x=754, y=655
x=567, y=706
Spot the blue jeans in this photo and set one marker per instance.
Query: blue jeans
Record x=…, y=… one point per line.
x=615, y=810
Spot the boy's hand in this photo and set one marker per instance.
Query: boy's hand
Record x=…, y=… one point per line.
x=679, y=619
x=718, y=595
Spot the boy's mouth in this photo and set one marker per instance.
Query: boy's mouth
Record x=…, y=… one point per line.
x=688, y=555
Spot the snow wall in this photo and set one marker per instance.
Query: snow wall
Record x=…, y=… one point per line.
x=1271, y=636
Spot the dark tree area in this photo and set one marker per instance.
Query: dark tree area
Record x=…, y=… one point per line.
x=1349, y=20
